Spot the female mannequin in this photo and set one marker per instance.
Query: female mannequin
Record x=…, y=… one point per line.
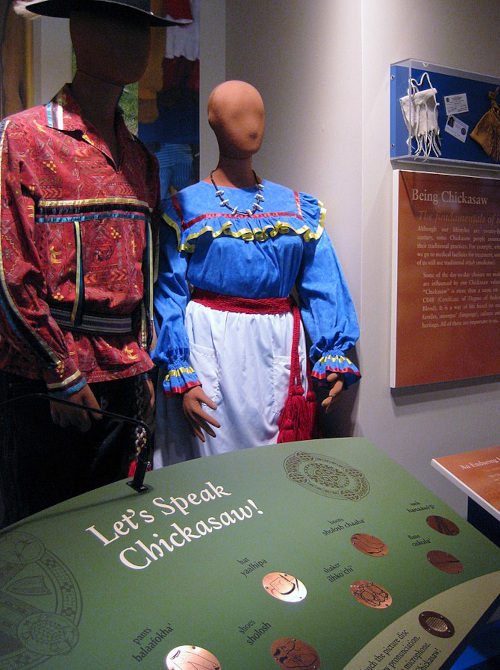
x=225, y=362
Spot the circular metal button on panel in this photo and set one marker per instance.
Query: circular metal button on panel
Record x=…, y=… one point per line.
x=371, y=595
x=187, y=657
x=284, y=587
x=369, y=545
x=291, y=653
x=445, y=562
x=436, y=624
x=442, y=525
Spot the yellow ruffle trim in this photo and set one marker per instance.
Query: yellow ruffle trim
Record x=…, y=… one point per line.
x=246, y=234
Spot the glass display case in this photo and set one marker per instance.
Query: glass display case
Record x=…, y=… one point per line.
x=443, y=115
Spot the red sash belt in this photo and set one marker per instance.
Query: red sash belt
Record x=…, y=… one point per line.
x=228, y=303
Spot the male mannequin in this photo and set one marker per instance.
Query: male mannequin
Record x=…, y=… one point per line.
x=79, y=198
x=242, y=246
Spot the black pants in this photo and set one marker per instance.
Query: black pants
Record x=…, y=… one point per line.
x=42, y=464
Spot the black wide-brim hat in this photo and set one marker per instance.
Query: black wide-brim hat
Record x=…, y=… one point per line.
x=62, y=8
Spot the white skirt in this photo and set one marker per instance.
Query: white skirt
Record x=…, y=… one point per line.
x=243, y=363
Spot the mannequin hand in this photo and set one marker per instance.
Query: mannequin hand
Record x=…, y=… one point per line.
x=64, y=415
x=198, y=419
x=336, y=381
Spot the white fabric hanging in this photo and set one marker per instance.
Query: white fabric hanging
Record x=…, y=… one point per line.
x=185, y=40
x=420, y=114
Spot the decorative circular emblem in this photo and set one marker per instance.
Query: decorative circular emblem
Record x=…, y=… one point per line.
x=442, y=525
x=326, y=476
x=291, y=653
x=369, y=545
x=445, y=562
x=436, y=624
x=188, y=657
x=371, y=595
x=50, y=634
x=41, y=603
x=284, y=587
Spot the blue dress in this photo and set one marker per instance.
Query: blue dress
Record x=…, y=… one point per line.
x=280, y=247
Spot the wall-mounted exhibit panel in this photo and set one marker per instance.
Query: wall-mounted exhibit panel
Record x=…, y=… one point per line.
x=443, y=115
x=446, y=278
x=316, y=554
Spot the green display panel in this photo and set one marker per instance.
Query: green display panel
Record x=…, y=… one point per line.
x=315, y=554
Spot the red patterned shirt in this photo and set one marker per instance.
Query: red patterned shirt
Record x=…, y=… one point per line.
x=75, y=248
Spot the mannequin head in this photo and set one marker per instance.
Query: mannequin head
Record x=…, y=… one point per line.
x=236, y=115
x=111, y=42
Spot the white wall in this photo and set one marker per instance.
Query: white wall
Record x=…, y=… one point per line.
x=322, y=67
x=51, y=57
x=212, y=72
x=419, y=425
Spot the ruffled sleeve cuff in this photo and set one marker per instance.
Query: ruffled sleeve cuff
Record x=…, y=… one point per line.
x=179, y=380
x=64, y=378
x=336, y=362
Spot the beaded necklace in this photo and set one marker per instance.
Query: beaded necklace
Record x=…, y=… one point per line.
x=225, y=202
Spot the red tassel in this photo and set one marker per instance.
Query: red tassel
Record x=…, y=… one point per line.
x=298, y=418
x=313, y=414
x=133, y=467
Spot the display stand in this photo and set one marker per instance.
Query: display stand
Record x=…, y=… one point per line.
x=477, y=473
x=321, y=553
